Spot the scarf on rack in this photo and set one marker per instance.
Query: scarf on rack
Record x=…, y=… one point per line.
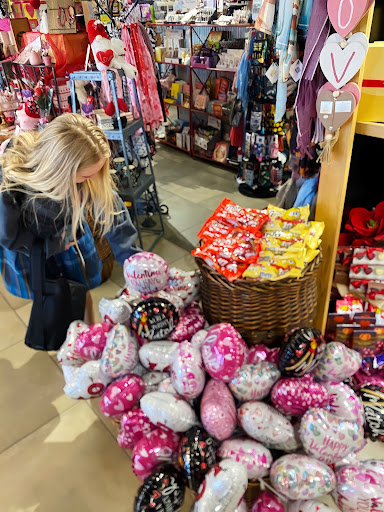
x=312, y=78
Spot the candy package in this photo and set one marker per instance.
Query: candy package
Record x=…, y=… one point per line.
x=235, y=215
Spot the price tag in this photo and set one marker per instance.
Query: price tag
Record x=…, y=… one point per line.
x=296, y=70
x=343, y=106
x=273, y=73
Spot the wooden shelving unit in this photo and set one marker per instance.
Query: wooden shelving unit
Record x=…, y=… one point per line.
x=197, y=72
x=332, y=189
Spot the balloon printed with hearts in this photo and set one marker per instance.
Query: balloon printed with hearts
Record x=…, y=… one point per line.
x=218, y=410
x=187, y=372
x=158, y=356
x=153, y=379
x=254, y=381
x=254, y=456
x=120, y=354
x=134, y=425
x=337, y=363
x=344, y=402
x=165, y=409
x=298, y=477
x=121, y=395
x=300, y=351
x=146, y=272
x=267, y=501
x=153, y=320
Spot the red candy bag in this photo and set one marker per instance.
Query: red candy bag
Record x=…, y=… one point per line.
x=235, y=215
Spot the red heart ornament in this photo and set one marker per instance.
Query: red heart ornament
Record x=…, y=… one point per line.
x=345, y=15
x=30, y=10
x=105, y=57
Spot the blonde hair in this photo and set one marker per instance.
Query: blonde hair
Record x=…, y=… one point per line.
x=45, y=164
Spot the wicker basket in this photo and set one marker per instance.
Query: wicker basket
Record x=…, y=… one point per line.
x=261, y=312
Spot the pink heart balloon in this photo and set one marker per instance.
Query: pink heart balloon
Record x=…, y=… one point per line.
x=187, y=372
x=329, y=438
x=359, y=487
x=218, y=410
x=294, y=396
x=267, y=502
x=90, y=343
x=134, y=426
x=344, y=403
x=337, y=363
x=187, y=327
x=345, y=15
x=157, y=447
x=223, y=352
x=121, y=395
x=257, y=353
x=252, y=455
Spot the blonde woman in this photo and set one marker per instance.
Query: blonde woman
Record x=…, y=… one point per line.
x=51, y=180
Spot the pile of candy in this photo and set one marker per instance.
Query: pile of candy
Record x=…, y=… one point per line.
x=206, y=411
x=264, y=245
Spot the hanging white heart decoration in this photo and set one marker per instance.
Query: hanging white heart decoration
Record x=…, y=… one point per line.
x=341, y=65
x=359, y=37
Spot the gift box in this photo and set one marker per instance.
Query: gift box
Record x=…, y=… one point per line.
x=371, y=107
x=368, y=256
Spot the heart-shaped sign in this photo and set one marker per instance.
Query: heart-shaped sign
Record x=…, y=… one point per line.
x=334, y=108
x=105, y=57
x=340, y=65
x=359, y=37
x=329, y=438
x=346, y=14
x=351, y=87
x=30, y=10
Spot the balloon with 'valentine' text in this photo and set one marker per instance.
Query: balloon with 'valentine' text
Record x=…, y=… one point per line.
x=146, y=272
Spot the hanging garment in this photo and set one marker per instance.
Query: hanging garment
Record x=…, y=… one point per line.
x=264, y=21
x=283, y=25
x=312, y=78
x=305, y=17
x=138, y=55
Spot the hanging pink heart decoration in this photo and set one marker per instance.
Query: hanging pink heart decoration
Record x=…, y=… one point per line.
x=345, y=15
x=30, y=10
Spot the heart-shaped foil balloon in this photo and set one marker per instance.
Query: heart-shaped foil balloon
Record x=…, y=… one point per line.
x=298, y=477
x=115, y=311
x=224, y=352
x=187, y=371
x=268, y=426
x=337, y=363
x=90, y=343
x=158, y=356
x=187, y=327
x=120, y=354
x=154, y=449
x=267, y=501
x=170, y=411
x=359, y=487
x=300, y=351
x=254, y=381
x=254, y=456
x=67, y=355
x=329, y=438
x=146, y=272
x=185, y=284
x=85, y=382
x=308, y=506
x=121, y=395
x=218, y=410
x=294, y=396
x=197, y=455
x=134, y=425
x=372, y=396
x=344, y=402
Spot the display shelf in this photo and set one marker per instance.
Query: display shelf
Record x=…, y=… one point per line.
x=234, y=25
x=128, y=131
x=196, y=111
x=172, y=145
x=370, y=129
x=173, y=64
x=170, y=104
x=143, y=183
x=216, y=69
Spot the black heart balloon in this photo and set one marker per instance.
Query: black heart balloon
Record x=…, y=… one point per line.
x=154, y=319
x=197, y=455
x=163, y=491
x=372, y=396
x=300, y=351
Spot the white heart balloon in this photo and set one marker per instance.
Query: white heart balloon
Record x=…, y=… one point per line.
x=340, y=65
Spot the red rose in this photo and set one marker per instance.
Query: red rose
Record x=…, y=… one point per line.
x=367, y=226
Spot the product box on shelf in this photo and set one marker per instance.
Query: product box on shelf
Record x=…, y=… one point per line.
x=371, y=107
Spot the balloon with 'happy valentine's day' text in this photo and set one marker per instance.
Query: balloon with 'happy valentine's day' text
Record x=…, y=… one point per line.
x=329, y=438
x=134, y=425
x=153, y=449
x=218, y=410
x=298, y=477
x=267, y=501
x=337, y=363
x=162, y=491
x=254, y=456
x=121, y=395
x=197, y=455
x=268, y=426
x=222, y=487
x=294, y=396
x=165, y=409
x=300, y=351
x=146, y=272
x=359, y=487
x=344, y=403
x=187, y=371
x=254, y=381
x=224, y=352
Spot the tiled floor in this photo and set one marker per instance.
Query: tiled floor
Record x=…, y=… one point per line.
x=57, y=454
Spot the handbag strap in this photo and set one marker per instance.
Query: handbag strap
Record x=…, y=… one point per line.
x=38, y=270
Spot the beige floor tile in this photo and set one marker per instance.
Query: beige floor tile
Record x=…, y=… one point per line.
x=13, y=301
x=187, y=262
x=107, y=290
x=32, y=392
x=169, y=251
x=111, y=425
x=25, y=312
x=70, y=464
x=12, y=328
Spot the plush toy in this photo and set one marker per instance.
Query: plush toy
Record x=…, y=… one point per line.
x=119, y=61
x=27, y=117
x=106, y=58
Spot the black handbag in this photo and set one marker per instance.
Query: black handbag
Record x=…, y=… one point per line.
x=56, y=303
